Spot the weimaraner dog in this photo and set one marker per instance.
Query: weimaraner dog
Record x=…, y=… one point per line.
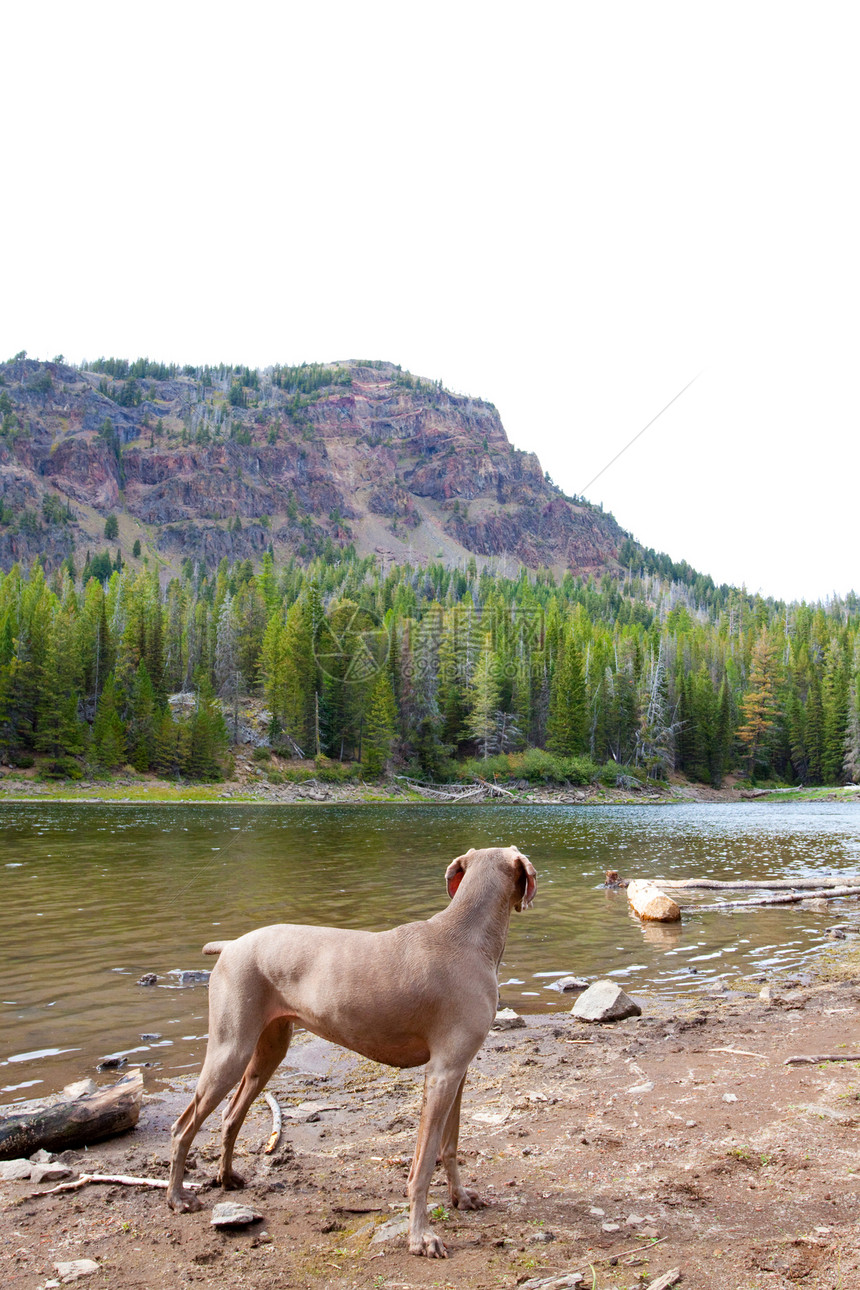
x=420, y=993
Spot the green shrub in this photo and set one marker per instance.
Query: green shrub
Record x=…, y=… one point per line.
x=262, y=754
x=23, y=760
x=61, y=768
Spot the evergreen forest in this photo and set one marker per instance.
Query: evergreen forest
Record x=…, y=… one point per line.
x=435, y=671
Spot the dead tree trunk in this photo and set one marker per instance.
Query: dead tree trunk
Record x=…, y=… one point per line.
x=74, y=1122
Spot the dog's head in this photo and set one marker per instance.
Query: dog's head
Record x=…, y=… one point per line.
x=524, y=874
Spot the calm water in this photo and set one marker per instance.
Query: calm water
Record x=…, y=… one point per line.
x=92, y=896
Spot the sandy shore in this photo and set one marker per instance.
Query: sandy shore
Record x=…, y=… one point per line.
x=676, y=1140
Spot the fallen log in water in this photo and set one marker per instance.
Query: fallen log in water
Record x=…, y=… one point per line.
x=73, y=1121
x=768, y=884
x=826, y=893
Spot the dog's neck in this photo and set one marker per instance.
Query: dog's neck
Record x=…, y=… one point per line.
x=480, y=912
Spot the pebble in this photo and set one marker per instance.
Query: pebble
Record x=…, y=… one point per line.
x=597, y=1213
x=148, y=978
x=766, y=994
x=229, y=1214
x=730, y=1097
x=611, y=1227
x=541, y=1238
x=641, y=1088
x=41, y=1157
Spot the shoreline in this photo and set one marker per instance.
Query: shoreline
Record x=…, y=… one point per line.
x=15, y=788
x=679, y=1139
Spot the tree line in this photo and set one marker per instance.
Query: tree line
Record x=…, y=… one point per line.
x=428, y=668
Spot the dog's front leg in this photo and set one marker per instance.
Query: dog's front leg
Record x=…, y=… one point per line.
x=441, y=1086
x=461, y=1197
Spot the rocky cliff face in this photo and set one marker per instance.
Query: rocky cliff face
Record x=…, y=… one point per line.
x=222, y=462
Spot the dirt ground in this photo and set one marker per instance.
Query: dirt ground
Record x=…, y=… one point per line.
x=675, y=1140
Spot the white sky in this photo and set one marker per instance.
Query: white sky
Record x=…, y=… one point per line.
x=568, y=209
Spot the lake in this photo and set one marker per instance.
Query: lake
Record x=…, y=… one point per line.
x=93, y=895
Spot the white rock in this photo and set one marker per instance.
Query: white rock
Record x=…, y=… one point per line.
x=50, y=1173
x=597, y=1213
x=611, y=1227
x=641, y=1088
x=730, y=1097
x=650, y=903
x=507, y=1019
x=605, y=1001
x=388, y=1231
x=15, y=1170
x=76, y=1269
x=229, y=1214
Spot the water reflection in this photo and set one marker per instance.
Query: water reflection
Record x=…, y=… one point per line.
x=96, y=895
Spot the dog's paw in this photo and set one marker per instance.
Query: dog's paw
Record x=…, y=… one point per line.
x=184, y=1201
x=465, y=1198
x=427, y=1245
x=230, y=1180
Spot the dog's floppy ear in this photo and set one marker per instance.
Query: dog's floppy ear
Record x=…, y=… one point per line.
x=454, y=872
x=528, y=877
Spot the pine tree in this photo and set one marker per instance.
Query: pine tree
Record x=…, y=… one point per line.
x=566, y=724
x=484, y=705
x=379, y=727
x=108, y=748
x=759, y=707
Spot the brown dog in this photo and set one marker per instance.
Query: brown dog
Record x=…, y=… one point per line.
x=420, y=993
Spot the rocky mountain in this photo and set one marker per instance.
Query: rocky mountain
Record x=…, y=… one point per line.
x=213, y=462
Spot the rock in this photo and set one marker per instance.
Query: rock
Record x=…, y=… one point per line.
x=50, y=1173
x=541, y=1238
x=15, y=1170
x=567, y=984
x=766, y=994
x=597, y=1213
x=190, y=977
x=717, y=986
x=611, y=1227
x=815, y=905
x=229, y=1214
x=390, y=1230
x=149, y=1038
x=605, y=1001
x=76, y=1269
x=633, y=1220
x=114, y=1062
x=553, y=1283
x=41, y=1157
x=730, y=1097
x=650, y=903
x=666, y=1280
x=148, y=978
x=507, y=1019
x=641, y=1088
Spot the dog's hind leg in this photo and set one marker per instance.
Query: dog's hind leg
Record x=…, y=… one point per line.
x=223, y=1065
x=267, y=1056
x=461, y=1197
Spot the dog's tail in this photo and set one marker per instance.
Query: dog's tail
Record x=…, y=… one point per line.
x=215, y=947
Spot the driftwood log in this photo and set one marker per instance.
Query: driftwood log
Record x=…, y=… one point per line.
x=827, y=893
x=73, y=1121
x=774, y=884
x=478, y=792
